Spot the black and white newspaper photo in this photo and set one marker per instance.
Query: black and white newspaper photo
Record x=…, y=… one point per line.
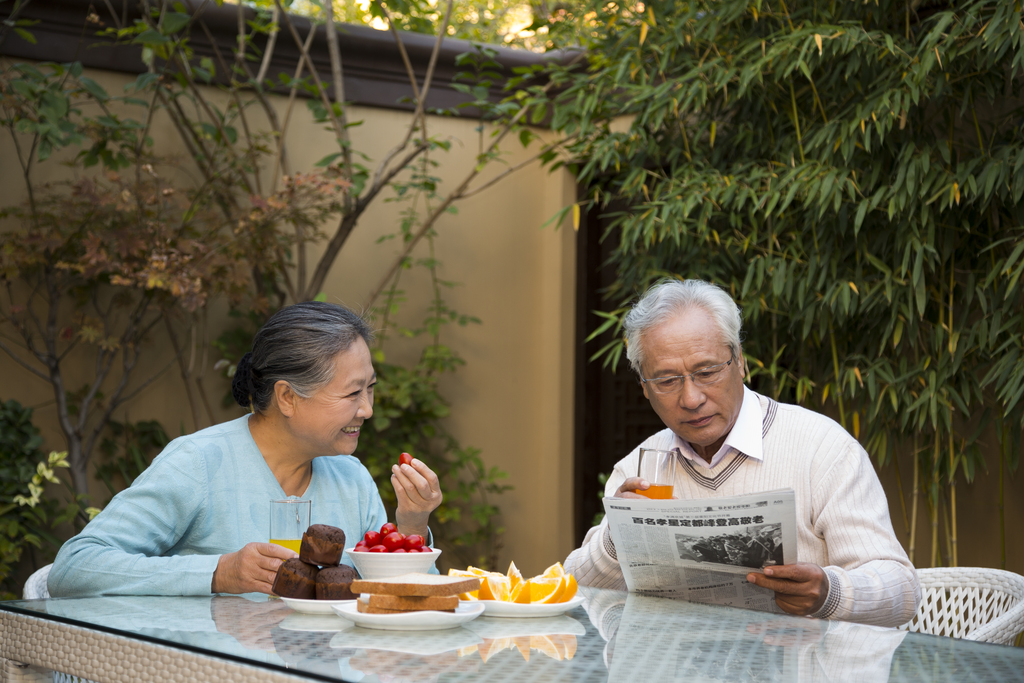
x=702, y=550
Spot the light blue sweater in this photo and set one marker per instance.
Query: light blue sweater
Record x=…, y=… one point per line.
x=205, y=495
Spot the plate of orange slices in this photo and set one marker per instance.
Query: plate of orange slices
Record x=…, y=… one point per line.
x=511, y=595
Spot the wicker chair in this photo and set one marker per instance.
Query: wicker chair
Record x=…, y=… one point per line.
x=973, y=603
x=35, y=586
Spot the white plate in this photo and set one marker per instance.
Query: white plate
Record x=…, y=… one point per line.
x=427, y=620
x=314, y=622
x=314, y=606
x=407, y=642
x=496, y=608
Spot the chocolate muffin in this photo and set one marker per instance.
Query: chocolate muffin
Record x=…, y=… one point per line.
x=322, y=545
x=296, y=579
x=333, y=583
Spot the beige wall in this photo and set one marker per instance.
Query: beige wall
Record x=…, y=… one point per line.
x=513, y=399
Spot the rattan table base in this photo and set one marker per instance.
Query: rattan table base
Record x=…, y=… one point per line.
x=109, y=658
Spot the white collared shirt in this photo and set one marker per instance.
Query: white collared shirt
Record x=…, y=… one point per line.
x=745, y=435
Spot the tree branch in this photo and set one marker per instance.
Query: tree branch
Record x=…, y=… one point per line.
x=348, y=223
x=321, y=90
x=268, y=52
x=280, y=161
x=510, y=171
x=451, y=198
x=421, y=97
x=22, y=362
x=186, y=373
x=339, y=97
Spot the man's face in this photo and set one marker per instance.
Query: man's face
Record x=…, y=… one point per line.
x=685, y=343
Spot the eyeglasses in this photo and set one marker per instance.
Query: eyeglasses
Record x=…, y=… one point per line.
x=702, y=378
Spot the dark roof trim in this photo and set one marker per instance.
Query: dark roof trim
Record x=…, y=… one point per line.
x=374, y=73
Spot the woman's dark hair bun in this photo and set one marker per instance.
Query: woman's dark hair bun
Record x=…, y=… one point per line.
x=241, y=383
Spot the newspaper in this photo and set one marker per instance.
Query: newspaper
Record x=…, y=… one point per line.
x=702, y=550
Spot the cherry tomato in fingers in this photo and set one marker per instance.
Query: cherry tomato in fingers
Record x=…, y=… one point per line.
x=387, y=529
x=378, y=549
x=393, y=541
x=414, y=542
x=405, y=459
x=372, y=538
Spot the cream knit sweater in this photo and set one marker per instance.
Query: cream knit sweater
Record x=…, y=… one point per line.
x=841, y=512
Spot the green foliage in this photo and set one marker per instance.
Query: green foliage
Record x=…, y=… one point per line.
x=852, y=173
x=508, y=22
x=25, y=516
x=602, y=479
x=142, y=243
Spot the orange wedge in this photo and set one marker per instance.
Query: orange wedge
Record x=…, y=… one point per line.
x=545, y=591
x=515, y=575
x=553, y=571
x=566, y=643
x=495, y=587
x=569, y=589
x=492, y=646
x=520, y=593
x=544, y=644
x=522, y=643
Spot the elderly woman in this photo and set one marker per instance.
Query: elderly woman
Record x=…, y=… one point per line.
x=197, y=521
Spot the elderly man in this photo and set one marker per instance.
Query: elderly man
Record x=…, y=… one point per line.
x=683, y=339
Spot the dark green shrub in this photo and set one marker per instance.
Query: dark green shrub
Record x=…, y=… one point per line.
x=24, y=514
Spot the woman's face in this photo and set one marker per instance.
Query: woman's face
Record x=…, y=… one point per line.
x=329, y=421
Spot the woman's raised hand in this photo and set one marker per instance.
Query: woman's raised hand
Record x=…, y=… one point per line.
x=249, y=570
x=418, y=493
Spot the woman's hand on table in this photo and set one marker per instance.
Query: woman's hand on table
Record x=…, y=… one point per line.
x=248, y=622
x=251, y=569
x=418, y=492
x=800, y=588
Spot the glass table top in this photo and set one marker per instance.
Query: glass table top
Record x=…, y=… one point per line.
x=613, y=636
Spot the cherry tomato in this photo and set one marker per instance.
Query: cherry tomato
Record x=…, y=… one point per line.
x=387, y=529
x=378, y=549
x=405, y=459
x=414, y=542
x=393, y=541
x=400, y=550
x=372, y=538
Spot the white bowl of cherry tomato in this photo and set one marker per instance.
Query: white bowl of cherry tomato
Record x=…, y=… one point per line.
x=388, y=552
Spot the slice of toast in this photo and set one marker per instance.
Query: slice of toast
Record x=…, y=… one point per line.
x=367, y=608
x=406, y=603
x=422, y=585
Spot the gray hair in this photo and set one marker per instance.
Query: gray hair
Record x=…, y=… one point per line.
x=297, y=345
x=669, y=297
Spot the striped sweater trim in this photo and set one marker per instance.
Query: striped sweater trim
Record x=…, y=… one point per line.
x=769, y=416
x=714, y=482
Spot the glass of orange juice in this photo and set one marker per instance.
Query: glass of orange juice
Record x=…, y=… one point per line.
x=659, y=469
x=289, y=519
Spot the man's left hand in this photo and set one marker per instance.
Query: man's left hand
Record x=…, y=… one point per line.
x=799, y=588
x=418, y=492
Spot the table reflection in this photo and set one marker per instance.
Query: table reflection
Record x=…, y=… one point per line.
x=612, y=637
x=705, y=643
